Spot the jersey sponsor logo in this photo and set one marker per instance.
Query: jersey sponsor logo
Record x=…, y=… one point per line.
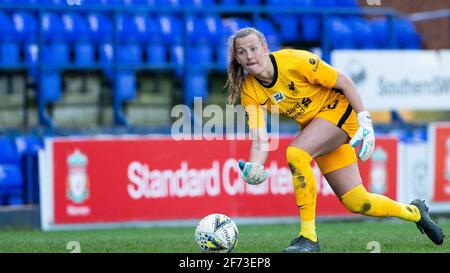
x=306, y=102
x=298, y=109
x=278, y=96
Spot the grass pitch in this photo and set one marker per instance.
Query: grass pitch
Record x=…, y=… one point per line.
x=335, y=237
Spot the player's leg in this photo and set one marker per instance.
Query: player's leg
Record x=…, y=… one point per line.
x=341, y=170
x=346, y=183
x=318, y=137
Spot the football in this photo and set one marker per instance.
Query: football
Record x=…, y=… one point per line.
x=216, y=233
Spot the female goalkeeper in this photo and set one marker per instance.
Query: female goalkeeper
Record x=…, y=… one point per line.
x=329, y=110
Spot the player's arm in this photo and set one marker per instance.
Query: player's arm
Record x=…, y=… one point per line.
x=317, y=71
x=253, y=171
x=346, y=85
x=365, y=134
x=260, y=145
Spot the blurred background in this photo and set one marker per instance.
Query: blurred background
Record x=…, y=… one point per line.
x=71, y=68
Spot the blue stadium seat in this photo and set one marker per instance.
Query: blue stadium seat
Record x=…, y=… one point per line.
x=124, y=91
x=167, y=3
x=287, y=24
x=201, y=39
x=269, y=31
x=61, y=2
x=326, y=3
x=129, y=54
x=150, y=37
x=172, y=36
x=55, y=54
x=381, y=33
x=10, y=176
x=106, y=55
x=129, y=49
x=229, y=2
x=100, y=28
x=137, y=3
x=347, y=3
x=201, y=54
x=130, y=36
x=28, y=144
x=406, y=35
x=222, y=55
x=310, y=28
x=9, y=47
x=55, y=50
x=196, y=85
x=49, y=91
x=26, y=27
x=100, y=2
x=23, y=2
x=176, y=57
x=31, y=58
x=78, y=35
x=362, y=33
x=8, y=152
x=156, y=54
x=309, y=25
x=229, y=27
x=215, y=29
x=101, y=31
x=252, y=2
x=171, y=28
x=196, y=3
x=197, y=30
x=11, y=185
x=341, y=35
x=28, y=147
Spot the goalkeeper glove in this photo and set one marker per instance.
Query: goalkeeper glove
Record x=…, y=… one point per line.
x=252, y=172
x=365, y=135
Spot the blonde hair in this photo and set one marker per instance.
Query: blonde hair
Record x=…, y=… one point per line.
x=235, y=71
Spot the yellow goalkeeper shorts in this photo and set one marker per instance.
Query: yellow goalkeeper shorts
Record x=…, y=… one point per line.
x=339, y=112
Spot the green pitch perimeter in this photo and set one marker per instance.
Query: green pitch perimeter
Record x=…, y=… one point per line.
x=336, y=237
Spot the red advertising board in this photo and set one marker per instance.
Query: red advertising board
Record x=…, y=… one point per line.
x=441, y=167
x=143, y=179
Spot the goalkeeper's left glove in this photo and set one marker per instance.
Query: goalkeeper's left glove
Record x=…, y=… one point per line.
x=252, y=172
x=365, y=135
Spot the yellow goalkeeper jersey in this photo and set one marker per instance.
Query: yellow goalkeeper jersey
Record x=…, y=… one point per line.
x=301, y=87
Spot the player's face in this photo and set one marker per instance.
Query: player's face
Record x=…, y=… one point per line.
x=251, y=54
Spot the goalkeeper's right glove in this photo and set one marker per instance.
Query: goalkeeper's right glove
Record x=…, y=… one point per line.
x=364, y=135
x=252, y=172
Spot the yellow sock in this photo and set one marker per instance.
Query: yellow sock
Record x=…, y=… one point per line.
x=358, y=200
x=308, y=229
x=305, y=190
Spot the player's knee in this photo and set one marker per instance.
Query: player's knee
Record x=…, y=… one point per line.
x=356, y=200
x=297, y=157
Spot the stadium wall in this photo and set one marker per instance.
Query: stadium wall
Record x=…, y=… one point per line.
x=92, y=182
x=435, y=33
x=157, y=181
